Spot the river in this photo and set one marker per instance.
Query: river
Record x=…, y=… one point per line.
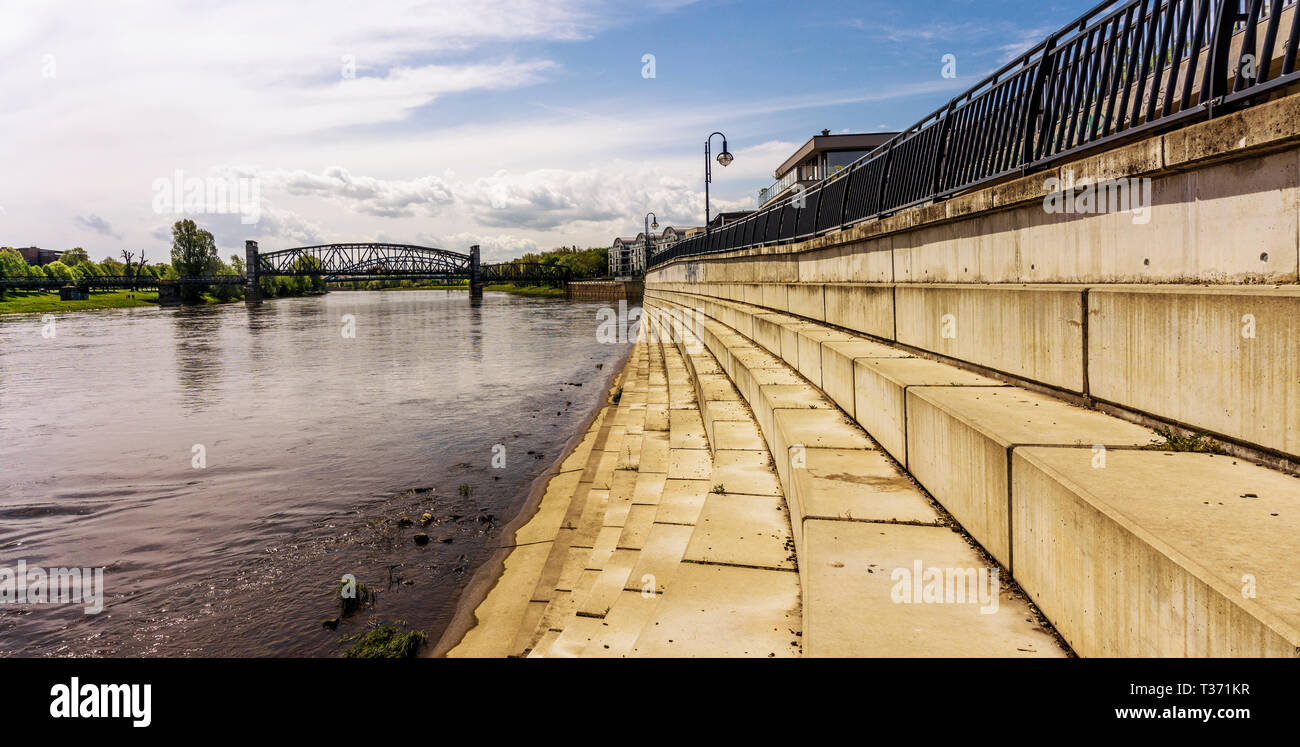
x=226, y=465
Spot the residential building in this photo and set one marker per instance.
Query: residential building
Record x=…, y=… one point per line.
x=627, y=256
x=819, y=158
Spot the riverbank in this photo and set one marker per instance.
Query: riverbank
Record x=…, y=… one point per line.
x=37, y=302
x=488, y=575
x=531, y=291
x=674, y=532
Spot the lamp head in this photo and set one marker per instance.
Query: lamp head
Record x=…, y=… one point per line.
x=725, y=158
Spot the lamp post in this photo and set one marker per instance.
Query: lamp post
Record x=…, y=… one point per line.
x=725, y=158
x=648, y=244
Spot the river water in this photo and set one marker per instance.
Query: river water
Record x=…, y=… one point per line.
x=226, y=465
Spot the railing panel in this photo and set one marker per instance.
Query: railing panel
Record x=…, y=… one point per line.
x=1117, y=71
x=789, y=221
x=831, y=210
x=808, y=212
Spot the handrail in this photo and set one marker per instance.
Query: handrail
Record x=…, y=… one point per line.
x=1122, y=69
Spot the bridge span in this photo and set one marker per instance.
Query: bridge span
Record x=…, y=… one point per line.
x=371, y=260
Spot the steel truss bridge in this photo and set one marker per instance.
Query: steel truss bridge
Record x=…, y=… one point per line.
x=370, y=261
x=333, y=263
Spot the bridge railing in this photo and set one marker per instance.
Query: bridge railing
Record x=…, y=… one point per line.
x=502, y=272
x=1124, y=68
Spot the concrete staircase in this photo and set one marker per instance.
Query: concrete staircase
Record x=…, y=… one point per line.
x=677, y=538
x=676, y=568
x=1128, y=551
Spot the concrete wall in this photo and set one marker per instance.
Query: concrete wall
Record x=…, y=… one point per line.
x=1188, y=315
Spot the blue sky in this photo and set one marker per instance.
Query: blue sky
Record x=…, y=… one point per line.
x=518, y=125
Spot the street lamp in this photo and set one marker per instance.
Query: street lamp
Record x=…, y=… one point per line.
x=648, y=240
x=725, y=158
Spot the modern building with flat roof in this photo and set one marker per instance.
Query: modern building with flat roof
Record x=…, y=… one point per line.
x=819, y=158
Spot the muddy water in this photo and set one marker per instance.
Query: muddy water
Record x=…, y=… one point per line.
x=227, y=466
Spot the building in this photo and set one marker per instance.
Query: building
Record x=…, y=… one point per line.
x=819, y=158
x=724, y=219
x=37, y=256
x=627, y=256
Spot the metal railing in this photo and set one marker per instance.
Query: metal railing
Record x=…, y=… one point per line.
x=1124, y=68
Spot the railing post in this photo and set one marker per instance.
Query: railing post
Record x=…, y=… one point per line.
x=1216, y=84
x=941, y=149
x=1035, y=107
x=252, y=286
x=475, y=273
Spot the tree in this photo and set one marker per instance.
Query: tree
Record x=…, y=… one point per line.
x=308, y=283
x=12, y=264
x=226, y=292
x=74, y=257
x=85, y=270
x=194, y=253
x=59, y=271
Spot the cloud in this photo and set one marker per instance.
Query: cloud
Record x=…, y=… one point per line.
x=497, y=248
x=96, y=224
x=541, y=199
x=276, y=228
x=365, y=194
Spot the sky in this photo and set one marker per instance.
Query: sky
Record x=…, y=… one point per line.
x=519, y=125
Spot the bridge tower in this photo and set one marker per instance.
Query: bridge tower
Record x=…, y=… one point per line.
x=252, y=288
x=475, y=273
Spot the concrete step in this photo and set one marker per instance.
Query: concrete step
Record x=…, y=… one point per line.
x=733, y=589
x=842, y=490
x=589, y=540
x=508, y=617
x=993, y=454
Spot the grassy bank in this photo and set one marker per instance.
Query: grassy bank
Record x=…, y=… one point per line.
x=35, y=302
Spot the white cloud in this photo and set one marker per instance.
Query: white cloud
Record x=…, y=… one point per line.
x=364, y=194
x=497, y=248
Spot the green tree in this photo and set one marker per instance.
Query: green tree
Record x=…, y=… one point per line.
x=59, y=271
x=194, y=253
x=12, y=264
x=84, y=271
x=226, y=292
x=74, y=257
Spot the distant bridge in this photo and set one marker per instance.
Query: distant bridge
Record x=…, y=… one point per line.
x=333, y=263
x=371, y=261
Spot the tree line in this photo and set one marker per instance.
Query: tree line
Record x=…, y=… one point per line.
x=193, y=254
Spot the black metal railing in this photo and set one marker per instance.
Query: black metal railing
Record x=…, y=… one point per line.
x=1124, y=68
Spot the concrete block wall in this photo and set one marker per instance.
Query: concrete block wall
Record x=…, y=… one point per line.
x=1129, y=552
x=1219, y=358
